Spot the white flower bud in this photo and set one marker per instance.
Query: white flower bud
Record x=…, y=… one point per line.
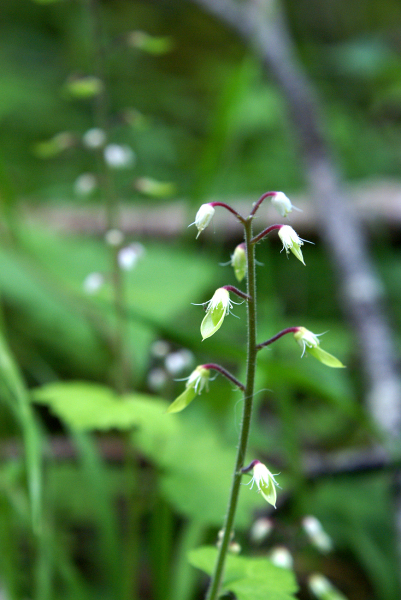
x=317, y=535
x=94, y=138
x=260, y=530
x=203, y=217
x=93, y=282
x=281, y=557
x=264, y=480
x=176, y=362
x=114, y=237
x=291, y=241
x=85, y=184
x=282, y=204
x=119, y=157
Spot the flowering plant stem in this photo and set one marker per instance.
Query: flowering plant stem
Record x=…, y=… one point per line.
x=217, y=577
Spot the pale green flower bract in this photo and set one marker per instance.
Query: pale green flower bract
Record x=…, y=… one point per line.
x=265, y=482
x=310, y=343
x=196, y=382
x=218, y=307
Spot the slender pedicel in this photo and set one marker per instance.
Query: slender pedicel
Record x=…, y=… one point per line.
x=277, y=337
x=227, y=374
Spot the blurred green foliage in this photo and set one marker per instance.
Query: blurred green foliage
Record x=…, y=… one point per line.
x=103, y=496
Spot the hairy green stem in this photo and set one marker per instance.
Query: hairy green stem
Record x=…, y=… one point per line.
x=217, y=577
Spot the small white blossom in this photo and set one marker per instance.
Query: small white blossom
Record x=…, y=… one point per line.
x=203, y=217
x=317, y=535
x=129, y=256
x=199, y=379
x=281, y=557
x=85, y=184
x=94, y=138
x=291, y=241
x=176, y=362
x=321, y=587
x=157, y=379
x=119, y=157
x=218, y=307
x=265, y=482
x=261, y=529
x=282, y=204
x=307, y=339
x=93, y=282
x=114, y=237
x=160, y=348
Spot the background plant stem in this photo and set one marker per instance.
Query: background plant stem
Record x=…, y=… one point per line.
x=215, y=583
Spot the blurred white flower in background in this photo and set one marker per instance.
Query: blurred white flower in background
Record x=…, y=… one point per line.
x=93, y=282
x=94, y=138
x=119, y=157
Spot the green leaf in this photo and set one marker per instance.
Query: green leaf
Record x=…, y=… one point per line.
x=248, y=578
x=325, y=358
x=89, y=406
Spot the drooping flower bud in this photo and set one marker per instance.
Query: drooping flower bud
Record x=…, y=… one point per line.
x=310, y=343
x=129, y=256
x=119, y=156
x=196, y=382
x=264, y=480
x=94, y=138
x=238, y=262
x=291, y=241
x=260, y=530
x=282, y=204
x=281, y=557
x=317, y=535
x=93, y=282
x=321, y=587
x=217, y=308
x=203, y=217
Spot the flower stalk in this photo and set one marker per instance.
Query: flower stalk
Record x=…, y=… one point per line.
x=225, y=373
x=237, y=292
x=217, y=309
x=217, y=577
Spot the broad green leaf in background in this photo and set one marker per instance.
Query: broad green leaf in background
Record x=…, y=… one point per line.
x=68, y=329
x=195, y=461
x=88, y=406
x=248, y=578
